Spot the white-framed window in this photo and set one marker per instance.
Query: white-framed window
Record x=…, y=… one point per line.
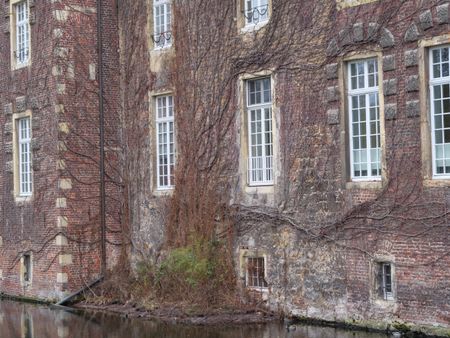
x=256, y=272
x=440, y=110
x=385, y=280
x=162, y=23
x=22, y=31
x=260, y=134
x=165, y=142
x=364, y=120
x=256, y=11
x=24, y=156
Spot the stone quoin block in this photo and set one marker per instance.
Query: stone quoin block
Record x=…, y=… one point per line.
x=412, y=83
x=390, y=87
x=333, y=116
x=386, y=38
x=411, y=58
x=390, y=111
x=388, y=63
x=331, y=71
x=413, y=108
x=412, y=33
x=442, y=12
x=426, y=20
x=332, y=94
x=21, y=104
x=358, y=32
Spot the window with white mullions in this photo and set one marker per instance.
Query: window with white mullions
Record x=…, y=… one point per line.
x=22, y=32
x=25, y=168
x=364, y=120
x=259, y=114
x=256, y=11
x=256, y=272
x=165, y=142
x=440, y=110
x=162, y=17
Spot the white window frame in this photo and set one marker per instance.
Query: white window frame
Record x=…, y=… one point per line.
x=25, y=167
x=21, y=52
x=264, y=275
x=252, y=7
x=265, y=161
x=437, y=81
x=366, y=91
x=163, y=124
x=162, y=33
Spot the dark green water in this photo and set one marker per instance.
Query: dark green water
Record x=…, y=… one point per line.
x=36, y=321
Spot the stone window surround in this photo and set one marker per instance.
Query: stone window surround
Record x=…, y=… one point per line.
x=152, y=131
x=425, y=127
x=374, y=266
x=345, y=156
x=24, y=283
x=243, y=141
x=13, y=38
x=242, y=26
x=15, y=117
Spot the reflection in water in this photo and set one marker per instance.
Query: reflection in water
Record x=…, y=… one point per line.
x=36, y=321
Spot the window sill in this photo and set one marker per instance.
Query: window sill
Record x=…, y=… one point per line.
x=260, y=189
x=23, y=199
x=161, y=49
x=161, y=192
x=258, y=289
x=372, y=184
x=254, y=27
x=20, y=66
x=436, y=182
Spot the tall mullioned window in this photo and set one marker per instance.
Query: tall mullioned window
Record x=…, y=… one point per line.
x=162, y=21
x=165, y=142
x=256, y=11
x=440, y=110
x=260, y=136
x=364, y=120
x=24, y=157
x=22, y=30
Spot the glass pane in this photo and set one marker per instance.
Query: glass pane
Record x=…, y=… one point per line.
x=438, y=122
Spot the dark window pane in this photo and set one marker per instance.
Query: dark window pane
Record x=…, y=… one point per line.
x=447, y=136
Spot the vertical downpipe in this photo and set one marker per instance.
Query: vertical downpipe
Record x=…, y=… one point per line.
x=102, y=137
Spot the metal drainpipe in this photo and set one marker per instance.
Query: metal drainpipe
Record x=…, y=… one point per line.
x=102, y=137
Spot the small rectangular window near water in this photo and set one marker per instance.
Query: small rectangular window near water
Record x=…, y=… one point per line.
x=162, y=23
x=165, y=142
x=385, y=280
x=27, y=268
x=22, y=30
x=364, y=120
x=24, y=157
x=256, y=272
x=260, y=136
x=440, y=110
x=256, y=11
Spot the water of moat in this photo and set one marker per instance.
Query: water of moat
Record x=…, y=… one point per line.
x=24, y=320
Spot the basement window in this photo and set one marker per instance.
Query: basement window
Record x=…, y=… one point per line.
x=385, y=280
x=26, y=272
x=256, y=272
